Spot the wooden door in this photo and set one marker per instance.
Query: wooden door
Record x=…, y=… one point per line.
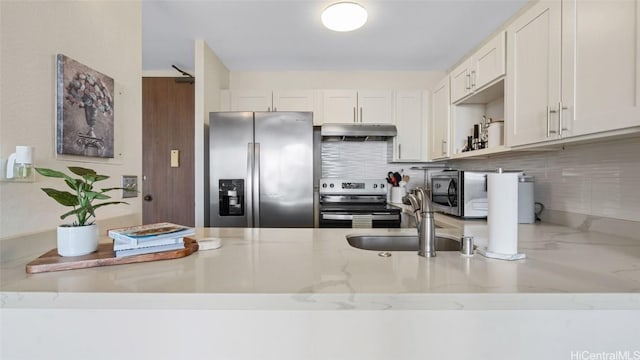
x=167, y=125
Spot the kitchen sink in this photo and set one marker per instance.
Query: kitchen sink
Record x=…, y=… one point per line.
x=400, y=242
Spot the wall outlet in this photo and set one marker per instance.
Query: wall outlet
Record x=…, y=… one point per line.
x=130, y=186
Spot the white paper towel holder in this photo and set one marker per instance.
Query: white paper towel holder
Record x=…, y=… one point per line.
x=490, y=254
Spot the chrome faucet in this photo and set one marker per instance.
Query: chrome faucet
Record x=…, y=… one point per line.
x=423, y=213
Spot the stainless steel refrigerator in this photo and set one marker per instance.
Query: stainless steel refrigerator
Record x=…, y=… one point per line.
x=261, y=169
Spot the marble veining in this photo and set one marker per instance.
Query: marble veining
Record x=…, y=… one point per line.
x=295, y=269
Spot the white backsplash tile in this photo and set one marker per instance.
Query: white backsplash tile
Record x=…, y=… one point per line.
x=599, y=179
x=366, y=160
x=352, y=159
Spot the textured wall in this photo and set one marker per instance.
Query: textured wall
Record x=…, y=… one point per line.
x=104, y=35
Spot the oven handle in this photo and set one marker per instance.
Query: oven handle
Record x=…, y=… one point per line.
x=333, y=199
x=350, y=217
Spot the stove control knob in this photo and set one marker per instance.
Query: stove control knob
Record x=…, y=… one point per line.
x=382, y=186
x=331, y=185
x=375, y=186
x=324, y=185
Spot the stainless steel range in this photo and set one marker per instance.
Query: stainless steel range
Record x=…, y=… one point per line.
x=355, y=203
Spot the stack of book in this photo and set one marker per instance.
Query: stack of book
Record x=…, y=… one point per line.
x=146, y=239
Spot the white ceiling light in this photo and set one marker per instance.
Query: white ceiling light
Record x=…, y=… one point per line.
x=344, y=16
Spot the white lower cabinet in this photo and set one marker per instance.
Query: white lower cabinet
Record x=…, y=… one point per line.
x=409, y=144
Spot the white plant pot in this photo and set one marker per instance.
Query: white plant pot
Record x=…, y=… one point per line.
x=77, y=240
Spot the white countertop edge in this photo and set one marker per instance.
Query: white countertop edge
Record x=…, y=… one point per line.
x=311, y=301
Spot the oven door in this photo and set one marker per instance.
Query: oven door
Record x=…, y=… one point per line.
x=445, y=194
x=341, y=219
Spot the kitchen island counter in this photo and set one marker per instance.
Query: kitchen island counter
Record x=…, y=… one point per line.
x=317, y=269
x=305, y=293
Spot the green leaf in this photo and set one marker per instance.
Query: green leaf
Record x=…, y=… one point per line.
x=72, y=212
x=109, y=203
x=50, y=173
x=101, y=177
x=98, y=196
x=62, y=197
x=83, y=196
x=110, y=189
x=73, y=183
x=81, y=171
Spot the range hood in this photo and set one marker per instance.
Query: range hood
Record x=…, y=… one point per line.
x=357, y=132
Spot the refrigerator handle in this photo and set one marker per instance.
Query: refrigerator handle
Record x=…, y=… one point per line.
x=248, y=197
x=256, y=185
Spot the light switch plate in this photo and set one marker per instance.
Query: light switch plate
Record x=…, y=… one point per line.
x=175, y=158
x=130, y=186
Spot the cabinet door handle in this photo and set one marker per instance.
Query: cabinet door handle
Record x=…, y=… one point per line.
x=561, y=126
x=473, y=79
x=360, y=113
x=467, y=82
x=549, y=112
x=275, y=108
x=268, y=108
x=399, y=151
x=354, y=114
x=444, y=147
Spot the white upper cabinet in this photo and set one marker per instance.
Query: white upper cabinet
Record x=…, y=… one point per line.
x=267, y=100
x=461, y=81
x=410, y=122
x=294, y=100
x=533, y=74
x=441, y=110
x=479, y=70
x=488, y=63
x=375, y=107
x=340, y=106
x=573, y=70
x=351, y=106
x=250, y=100
x=600, y=69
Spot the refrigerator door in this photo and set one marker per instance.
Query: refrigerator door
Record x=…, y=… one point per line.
x=231, y=152
x=284, y=169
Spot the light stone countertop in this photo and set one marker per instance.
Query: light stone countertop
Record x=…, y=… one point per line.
x=309, y=269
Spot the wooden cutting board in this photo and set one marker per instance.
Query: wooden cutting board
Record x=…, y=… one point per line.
x=51, y=261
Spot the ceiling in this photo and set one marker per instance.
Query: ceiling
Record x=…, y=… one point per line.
x=278, y=35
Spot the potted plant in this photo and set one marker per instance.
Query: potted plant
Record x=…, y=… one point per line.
x=81, y=237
